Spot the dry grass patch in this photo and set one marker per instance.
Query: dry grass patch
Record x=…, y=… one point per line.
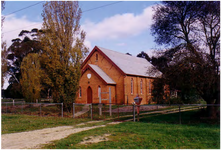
x=95, y=139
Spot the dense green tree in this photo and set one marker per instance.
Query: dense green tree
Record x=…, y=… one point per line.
x=19, y=49
x=190, y=30
x=63, y=49
x=4, y=63
x=144, y=55
x=31, y=77
x=3, y=51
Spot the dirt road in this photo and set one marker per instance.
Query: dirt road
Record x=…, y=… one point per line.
x=34, y=139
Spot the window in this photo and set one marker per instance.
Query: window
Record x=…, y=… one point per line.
x=99, y=91
x=96, y=57
x=132, y=85
x=149, y=86
x=80, y=92
x=141, y=86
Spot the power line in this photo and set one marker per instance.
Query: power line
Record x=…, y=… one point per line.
x=43, y=1
x=101, y=6
x=21, y=28
x=23, y=8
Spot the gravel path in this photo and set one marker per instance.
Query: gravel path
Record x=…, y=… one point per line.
x=34, y=139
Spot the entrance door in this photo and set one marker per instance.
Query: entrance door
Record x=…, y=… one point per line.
x=89, y=95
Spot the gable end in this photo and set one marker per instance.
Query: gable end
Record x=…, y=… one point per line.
x=104, y=55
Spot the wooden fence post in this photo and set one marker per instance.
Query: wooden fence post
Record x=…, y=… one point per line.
x=73, y=109
x=61, y=109
x=91, y=112
x=179, y=115
x=134, y=112
x=40, y=109
x=110, y=110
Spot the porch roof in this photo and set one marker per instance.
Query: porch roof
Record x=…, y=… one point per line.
x=102, y=74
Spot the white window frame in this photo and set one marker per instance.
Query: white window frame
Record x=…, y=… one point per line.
x=80, y=92
x=132, y=86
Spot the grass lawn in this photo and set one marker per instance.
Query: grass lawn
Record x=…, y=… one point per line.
x=155, y=131
x=152, y=132
x=19, y=123
x=130, y=135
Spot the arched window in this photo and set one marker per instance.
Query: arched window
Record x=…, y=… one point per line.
x=132, y=86
x=96, y=57
x=150, y=87
x=80, y=92
x=99, y=91
x=141, y=86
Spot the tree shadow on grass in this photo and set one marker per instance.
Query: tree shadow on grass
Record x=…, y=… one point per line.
x=189, y=118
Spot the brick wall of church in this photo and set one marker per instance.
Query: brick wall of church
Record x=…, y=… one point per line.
x=121, y=93
x=137, y=85
x=116, y=91
x=94, y=82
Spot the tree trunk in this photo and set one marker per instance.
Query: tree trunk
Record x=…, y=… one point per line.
x=212, y=110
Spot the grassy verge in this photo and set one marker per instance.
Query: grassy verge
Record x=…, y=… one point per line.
x=130, y=135
x=152, y=132
x=155, y=131
x=19, y=123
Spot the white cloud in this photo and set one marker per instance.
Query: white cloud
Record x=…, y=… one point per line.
x=151, y=52
x=121, y=44
x=12, y=26
x=88, y=44
x=119, y=26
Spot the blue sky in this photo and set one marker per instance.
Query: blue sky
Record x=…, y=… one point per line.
x=123, y=26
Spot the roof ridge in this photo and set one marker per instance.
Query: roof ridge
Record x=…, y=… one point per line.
x=130, y=65
x=120, y=52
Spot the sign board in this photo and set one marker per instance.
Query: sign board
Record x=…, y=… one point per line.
x=137, y=100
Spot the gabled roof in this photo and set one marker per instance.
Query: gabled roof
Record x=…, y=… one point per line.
x=101, y=74
x=129, y=65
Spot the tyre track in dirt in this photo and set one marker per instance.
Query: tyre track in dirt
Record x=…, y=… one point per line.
x=34, y=139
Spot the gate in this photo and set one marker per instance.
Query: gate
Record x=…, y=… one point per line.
x=100, y=105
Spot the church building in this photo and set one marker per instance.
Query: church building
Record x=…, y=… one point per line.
x=108, y=76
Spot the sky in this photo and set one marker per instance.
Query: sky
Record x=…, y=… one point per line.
x=122, y=26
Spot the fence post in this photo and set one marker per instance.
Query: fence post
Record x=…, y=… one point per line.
x=40, y=109
x=73, y=109
x=13, y=102
x=110, y=101
x=118, y=111
x=22, y=107
x=179, y=115
x=61, y=109
x=91, y=112
x=138, y=112
x=134, y=112
x=100, y=109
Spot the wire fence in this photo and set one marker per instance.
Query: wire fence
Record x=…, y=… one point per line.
x=113, y=112
x=118, y=112
x=178, y=114
x=38, y=109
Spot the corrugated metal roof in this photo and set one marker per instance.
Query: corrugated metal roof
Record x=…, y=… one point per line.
x=102, y=74
x=131, y=65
